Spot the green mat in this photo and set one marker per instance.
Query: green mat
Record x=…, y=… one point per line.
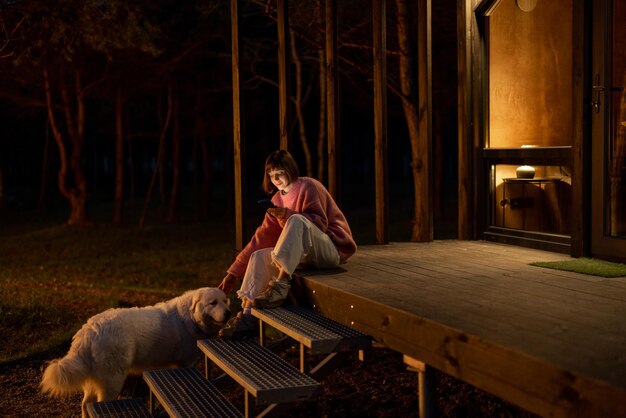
x=583, y=265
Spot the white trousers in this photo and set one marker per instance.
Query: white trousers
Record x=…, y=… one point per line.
x=300, y=243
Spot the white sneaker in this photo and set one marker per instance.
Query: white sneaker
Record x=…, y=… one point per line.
x=274, y=295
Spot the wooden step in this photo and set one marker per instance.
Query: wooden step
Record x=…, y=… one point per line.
x=123, y=408
x=262, y=373
x=320, y=334
x=185, y=393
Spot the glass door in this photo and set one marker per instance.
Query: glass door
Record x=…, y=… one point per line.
x=608, y=189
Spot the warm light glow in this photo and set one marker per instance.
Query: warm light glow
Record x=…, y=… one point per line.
x=525, y=172
x=527, y=5
x=530, y=75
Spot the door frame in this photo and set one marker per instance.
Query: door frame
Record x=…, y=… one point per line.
x=474, y=203
x=602, y=245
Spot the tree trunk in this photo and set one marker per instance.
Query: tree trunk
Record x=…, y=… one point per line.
x=171, y=210
x=204, y=161
x=160, y=153
x=131, y=168
x=321, y=137
x=207, y=178
x=75, y=121
x=412, y=113
x=118, y=205
x=43, y=187
x=197, y=193
x=160, y=169
x=1, y=189
x=298, y=104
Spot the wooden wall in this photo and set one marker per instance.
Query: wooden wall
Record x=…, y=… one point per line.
x=530, y=75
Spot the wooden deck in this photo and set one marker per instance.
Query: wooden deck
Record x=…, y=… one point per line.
x=549, y=341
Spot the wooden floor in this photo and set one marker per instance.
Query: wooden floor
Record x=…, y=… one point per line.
x=549, y=341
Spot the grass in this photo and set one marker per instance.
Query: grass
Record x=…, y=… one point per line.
x=584, y=265
x=54, y=277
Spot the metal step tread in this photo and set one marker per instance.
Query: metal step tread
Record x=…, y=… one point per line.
x=262, y=373
x=320, y=334
x=184, y=392
x=122, y=408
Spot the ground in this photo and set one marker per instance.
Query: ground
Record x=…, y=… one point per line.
x=52, y=278
x=380, y=387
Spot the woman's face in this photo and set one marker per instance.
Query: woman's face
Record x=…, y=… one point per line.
x=279, y=179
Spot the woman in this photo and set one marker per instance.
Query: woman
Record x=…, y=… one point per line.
x=305, y=228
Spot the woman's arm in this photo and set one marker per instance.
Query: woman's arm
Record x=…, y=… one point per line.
x=265, y=236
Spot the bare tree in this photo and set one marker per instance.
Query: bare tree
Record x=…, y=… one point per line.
x=298, y=104
x=67, y=50
x=1, y=189
x=174, y=191
x=72, y=105
x=201, y=147
x=158, y=169
x=321, y=134
x=118, y=204
x=413, y=114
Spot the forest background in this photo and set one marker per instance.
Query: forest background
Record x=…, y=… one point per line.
x=121, y=112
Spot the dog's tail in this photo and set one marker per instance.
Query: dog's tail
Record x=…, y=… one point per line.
x=64, y=376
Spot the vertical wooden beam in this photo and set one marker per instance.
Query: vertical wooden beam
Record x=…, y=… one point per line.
x=464, y=127
x=282, y=11
x=580, y=225
x=238, y=146
x=478, y=78
x=332, y=97
x=426, y=387
x=424, y=76
x=248, y=404
x=380, y=118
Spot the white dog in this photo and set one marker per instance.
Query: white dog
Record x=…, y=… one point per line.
x=117, y=342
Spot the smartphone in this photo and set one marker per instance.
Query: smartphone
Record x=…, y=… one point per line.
x=266, y=204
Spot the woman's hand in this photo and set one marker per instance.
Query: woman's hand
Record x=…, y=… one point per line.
x=228, y=283
x=280, y=213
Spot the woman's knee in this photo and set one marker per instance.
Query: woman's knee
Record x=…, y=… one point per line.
x=262, y=254
x=296, y=219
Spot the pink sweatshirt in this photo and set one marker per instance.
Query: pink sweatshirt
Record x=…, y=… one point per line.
x=309, y=198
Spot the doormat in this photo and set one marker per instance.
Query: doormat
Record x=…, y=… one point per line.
x=591, y=266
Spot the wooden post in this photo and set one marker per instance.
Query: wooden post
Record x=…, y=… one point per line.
x=464, y=131
x=580, y=228
x=238, y=146
x=282, y=11
x=261, y=333
x=424, y=70
x=426, y=385
x=248, y=405
x=304, y=364
x=380, y=118
x=151, y=403
x=426, y=392
x=332, y=98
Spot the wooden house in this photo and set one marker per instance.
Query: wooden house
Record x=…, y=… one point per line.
x=541, y=89
x=541, y=120
x=541, y=163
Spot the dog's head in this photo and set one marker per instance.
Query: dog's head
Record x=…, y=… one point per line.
x=209, y=308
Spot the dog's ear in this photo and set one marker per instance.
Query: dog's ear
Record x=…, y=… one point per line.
x=194, y=302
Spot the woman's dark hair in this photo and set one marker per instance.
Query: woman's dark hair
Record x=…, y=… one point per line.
x=279, y=160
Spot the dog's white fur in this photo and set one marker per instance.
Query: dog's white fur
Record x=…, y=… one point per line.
x=120, y=341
